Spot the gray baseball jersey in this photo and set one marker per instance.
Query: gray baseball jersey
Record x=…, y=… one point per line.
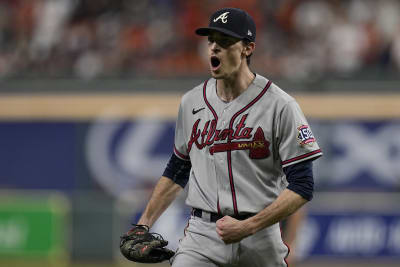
x=238, y=149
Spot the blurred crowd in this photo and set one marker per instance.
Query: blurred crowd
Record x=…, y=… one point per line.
x=296, y=39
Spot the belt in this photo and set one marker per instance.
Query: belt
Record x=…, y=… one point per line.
x=215, y=216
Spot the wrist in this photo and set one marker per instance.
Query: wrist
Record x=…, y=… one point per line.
x=251, y=226
x=144, y=221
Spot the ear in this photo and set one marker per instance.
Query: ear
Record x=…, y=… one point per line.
x=249, y=48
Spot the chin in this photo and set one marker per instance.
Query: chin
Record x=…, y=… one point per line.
x=216, y=75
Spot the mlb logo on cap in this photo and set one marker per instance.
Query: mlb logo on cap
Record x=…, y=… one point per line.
x=231, y=21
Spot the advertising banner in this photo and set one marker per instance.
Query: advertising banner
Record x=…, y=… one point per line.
x=33, y=226
x=121, y=154
x=350, y=235
x=358, y=155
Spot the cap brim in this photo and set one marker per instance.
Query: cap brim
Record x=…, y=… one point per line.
x=206, y=32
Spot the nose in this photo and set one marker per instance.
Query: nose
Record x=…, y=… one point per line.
x=214, y=46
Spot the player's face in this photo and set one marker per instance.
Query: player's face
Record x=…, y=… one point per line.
x=226, y=55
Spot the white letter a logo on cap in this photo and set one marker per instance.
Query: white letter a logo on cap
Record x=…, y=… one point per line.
x=223, y=17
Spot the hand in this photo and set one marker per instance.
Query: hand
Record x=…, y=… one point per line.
x=231, y=230
x=139, y=245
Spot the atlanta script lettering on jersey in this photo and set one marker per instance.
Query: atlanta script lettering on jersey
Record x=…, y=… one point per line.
x=258, y=146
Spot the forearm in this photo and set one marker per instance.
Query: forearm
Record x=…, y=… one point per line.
x=286, y=204
x=293, y=223
x=164, y=193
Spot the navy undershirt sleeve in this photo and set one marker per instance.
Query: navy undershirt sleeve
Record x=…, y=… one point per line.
x=178, y=170
x=300, y=178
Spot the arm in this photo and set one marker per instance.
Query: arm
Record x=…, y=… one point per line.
x=290, y=232
x=164, y=193
x=293, y=223
x=171, y=183
x=298, y=192
x=286, y=204
x=173, y=180
x=232, y=230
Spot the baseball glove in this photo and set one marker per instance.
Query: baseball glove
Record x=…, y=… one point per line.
x=139, y=245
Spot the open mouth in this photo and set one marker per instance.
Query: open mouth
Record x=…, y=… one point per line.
x=215, y=62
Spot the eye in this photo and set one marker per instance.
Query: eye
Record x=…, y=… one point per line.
x=225, y=42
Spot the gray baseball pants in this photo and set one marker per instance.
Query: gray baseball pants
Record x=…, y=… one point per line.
x=201, y=246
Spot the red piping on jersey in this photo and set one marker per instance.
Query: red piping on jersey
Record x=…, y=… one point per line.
x=207, y=103
x=179, y=154
x=287, y=255
x=216, y=120
x=301, y=157
x=229, y=156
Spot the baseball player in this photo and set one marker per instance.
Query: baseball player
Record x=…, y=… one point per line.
x=245, y=149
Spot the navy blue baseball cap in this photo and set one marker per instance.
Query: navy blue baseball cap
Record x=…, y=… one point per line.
x=231, y=21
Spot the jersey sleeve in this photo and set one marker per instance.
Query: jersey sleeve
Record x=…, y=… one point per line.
x=296, y=142
x=180, y=144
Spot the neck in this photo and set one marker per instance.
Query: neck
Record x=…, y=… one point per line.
x=230, y=88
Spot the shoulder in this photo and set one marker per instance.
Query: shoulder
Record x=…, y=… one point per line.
x=194, y=95
x=274, y=93
x=279, y=95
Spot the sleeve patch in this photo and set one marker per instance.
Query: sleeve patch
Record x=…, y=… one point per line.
x=305, y=136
